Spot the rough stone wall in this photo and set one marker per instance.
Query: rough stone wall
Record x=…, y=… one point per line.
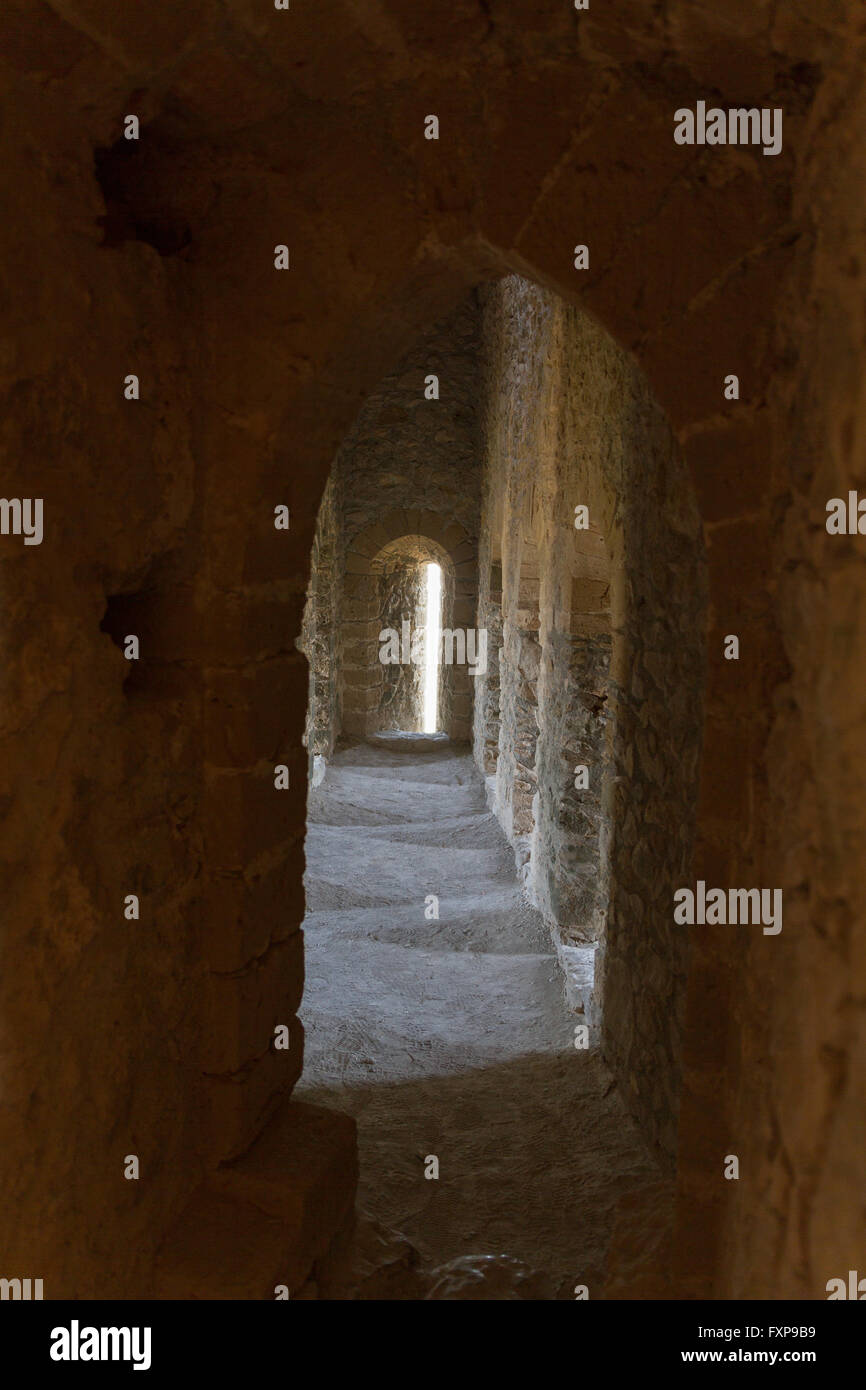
x=574, y=891
x=407, y=453
x=320, y=631
x=796, y=1037
x=99, y=1031
x=571, y=422
x=526, y=654
x=573, y=888
x=486, y=708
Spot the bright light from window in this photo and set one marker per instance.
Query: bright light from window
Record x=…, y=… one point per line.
x=431, y=647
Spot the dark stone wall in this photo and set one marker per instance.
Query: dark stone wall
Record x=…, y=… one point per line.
x=320, y=633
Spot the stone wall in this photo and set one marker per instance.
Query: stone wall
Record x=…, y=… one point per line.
x=570, y=422
x=486, y=722
x=101, y=779
x=407, y=453
x=320, y=633
x=796, y=1037
x=573, y=888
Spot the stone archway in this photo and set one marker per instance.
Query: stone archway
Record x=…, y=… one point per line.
x=703, y=262
x=413, y=537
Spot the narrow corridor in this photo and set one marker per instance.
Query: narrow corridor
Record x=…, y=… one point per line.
x=451, y=1037
x=296, y=302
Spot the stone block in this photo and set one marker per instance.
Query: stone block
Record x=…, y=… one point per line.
x=239, y=1104
x=244, y=914
x=242, y=1009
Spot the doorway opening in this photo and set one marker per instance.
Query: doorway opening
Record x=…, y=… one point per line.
x=433, y=639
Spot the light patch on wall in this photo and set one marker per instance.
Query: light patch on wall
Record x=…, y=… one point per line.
x=431, y=654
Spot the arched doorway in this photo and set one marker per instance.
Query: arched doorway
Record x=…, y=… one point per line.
x=582, y=595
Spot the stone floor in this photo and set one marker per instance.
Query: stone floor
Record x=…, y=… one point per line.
x=452, y=1038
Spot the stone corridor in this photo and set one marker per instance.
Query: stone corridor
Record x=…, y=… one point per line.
x=452, y=1038
x=269, y=343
